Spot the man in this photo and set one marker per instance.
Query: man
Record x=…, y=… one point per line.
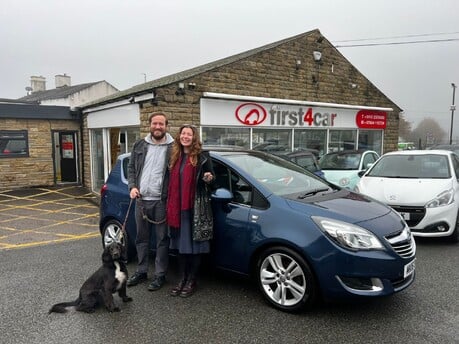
x=148, y=181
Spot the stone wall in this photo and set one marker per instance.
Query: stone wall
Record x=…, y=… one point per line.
x=38, y=168
x=271, y=73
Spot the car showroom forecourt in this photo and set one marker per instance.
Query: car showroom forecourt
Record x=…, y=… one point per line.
x=301, y=237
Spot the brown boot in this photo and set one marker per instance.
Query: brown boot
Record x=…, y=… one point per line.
x=178, y=288
x=188, y=289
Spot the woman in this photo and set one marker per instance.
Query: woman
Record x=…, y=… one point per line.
x=190, y=173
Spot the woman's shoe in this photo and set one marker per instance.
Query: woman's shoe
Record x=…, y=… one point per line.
x=178, y=288
x=188, y=289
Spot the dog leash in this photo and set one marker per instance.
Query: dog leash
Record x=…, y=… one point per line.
x=123, y=227
x=145, y=217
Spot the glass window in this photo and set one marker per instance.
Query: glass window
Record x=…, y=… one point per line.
x=14, y=144
x=342, y=140
x=272, y=140
x=97, y=153
x=226, y=136
x=370, y=140
x=312, y=140
x=228, y=179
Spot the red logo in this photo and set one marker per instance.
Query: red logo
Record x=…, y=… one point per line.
x=250, y=114
x=371, y=119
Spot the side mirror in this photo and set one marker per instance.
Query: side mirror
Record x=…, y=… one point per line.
x=222, y=195
x=361, y=173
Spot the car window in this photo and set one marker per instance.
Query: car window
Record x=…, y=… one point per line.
x=340, y=161
x=307, y=162
x=125, y=167
x=228, y=179
x=412, y=166
x=369, y=158
x=279, y=176
x=455, y=160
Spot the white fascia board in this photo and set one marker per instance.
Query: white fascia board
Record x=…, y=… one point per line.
x=120, y=116
x=290, y=101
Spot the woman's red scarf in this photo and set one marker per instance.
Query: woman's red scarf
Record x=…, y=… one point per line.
x=181, y=190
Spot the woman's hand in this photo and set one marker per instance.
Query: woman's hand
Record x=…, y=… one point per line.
x=208, y=177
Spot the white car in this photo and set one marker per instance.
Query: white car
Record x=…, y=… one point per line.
x=421, y=185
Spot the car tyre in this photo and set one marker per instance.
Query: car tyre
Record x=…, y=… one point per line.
x=454, y=237
x=285, y=279
x=111, y=232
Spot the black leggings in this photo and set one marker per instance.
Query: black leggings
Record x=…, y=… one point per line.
x=189, y=266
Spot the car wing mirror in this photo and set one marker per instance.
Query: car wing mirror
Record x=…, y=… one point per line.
x=361, y=173
x=222, y=195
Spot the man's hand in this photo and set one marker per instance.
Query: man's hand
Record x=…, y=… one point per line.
x=134, y=193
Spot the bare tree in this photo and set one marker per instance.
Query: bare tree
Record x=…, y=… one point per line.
x=427, y=133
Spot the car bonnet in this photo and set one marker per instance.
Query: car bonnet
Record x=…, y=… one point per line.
x=342, y=205
x=404, y=191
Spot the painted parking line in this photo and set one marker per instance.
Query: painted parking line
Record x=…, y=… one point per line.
x=41, y=216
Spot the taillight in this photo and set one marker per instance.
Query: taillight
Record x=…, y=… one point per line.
x=103, y=189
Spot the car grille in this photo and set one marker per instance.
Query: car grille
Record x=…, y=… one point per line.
x=403, y=243
x=416, y=214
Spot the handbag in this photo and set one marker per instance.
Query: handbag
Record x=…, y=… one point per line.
x=203, y=222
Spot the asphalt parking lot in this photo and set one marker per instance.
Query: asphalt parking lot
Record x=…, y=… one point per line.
x=38, y=216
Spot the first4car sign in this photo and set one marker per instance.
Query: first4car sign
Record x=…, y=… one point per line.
x=259, y=114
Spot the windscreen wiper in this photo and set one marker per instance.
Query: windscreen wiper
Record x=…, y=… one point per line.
x=313, y=192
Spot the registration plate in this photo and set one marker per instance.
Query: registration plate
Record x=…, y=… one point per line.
x=406, y=216
x=409, y=268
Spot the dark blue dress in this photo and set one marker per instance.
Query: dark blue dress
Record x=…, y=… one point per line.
x=182, y=239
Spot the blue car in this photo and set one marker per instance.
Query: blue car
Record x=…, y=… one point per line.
x=301, y=237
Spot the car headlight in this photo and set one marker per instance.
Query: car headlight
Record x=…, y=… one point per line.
x=445, y=198
x=348, y=235
x=344, y=181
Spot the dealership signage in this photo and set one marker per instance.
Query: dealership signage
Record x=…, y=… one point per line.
x=222, y=112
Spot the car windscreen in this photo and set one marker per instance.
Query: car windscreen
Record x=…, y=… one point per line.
x=340, y=161
x=279, y=176
x=411, y=166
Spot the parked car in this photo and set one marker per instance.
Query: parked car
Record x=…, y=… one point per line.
x=453, y=148
x=422, y=185
x=300, y=237
x=305, y=159
x=342, y=168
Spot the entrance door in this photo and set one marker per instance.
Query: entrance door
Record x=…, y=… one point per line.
x=66, y=156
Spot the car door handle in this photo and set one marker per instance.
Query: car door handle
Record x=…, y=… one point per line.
x=254, y=218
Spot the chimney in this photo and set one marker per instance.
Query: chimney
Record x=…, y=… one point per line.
x=38, y=83
x=62, y=80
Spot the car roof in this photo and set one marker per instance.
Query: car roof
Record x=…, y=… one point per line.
x=351, y=151
x=420, y=152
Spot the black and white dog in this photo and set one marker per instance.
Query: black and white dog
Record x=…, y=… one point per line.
x=98, y=289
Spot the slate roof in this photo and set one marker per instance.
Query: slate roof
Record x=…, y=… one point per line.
x=57, y=93
x=173, y=78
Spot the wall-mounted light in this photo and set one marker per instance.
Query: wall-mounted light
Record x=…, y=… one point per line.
x=317, y=56
x=180, y=89
x=352, y=85
x=298, y=64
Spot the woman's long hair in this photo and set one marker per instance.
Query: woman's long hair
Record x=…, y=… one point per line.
x=195, y=149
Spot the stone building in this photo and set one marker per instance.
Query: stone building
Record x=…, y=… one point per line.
x=297, y=93
x=40, y=134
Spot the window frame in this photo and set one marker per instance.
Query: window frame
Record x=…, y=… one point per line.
x=14, y=135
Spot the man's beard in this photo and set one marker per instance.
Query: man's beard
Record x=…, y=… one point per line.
x=157, y=136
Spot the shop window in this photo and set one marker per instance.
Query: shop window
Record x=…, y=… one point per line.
x=371, y=140
x=14, y=144
x=342, y=140
x=314, y=140
x=272, y=140
x=226, y=136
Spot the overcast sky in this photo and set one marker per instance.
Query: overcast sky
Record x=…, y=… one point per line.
x=125, y=41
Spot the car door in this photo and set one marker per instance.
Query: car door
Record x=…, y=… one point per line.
x=234, y=226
